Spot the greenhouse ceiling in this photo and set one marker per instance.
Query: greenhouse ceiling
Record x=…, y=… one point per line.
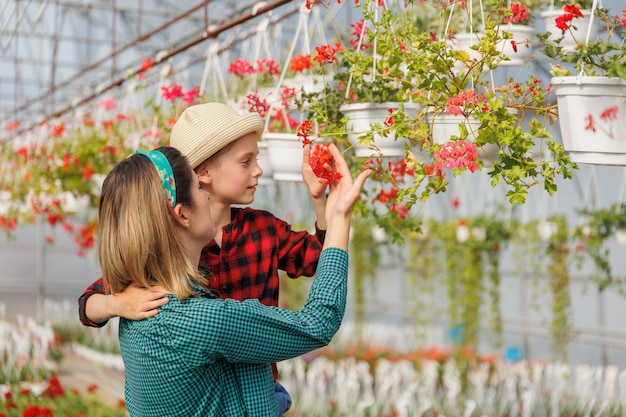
x=57, y=55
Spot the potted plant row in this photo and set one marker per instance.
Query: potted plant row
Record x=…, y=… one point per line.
x=426, y=82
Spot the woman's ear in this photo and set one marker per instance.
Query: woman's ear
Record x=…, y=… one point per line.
x=181, y=215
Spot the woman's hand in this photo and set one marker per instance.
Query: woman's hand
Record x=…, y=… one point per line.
x=344, y=192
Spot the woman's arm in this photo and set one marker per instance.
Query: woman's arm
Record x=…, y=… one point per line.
x=251, y=332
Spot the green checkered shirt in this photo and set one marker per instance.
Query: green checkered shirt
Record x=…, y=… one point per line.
x=210, y=357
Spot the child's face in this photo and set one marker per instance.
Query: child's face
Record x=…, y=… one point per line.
x=234, y=174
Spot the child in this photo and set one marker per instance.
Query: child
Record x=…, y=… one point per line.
x=251, y=245
x=201, y=355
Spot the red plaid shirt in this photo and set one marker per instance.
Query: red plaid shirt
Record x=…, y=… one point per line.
x=255, y=245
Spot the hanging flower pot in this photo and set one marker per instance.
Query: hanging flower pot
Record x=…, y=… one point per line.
x=73, y=204
x=284, y=152
x=572, y=38
x=5, y=202
x=620, y=235
x=306, y=83
x=97, y=181
x=546, y=229
x=463, y=42
x=591, y=117
x=361, y=117
x=378, y=234
x=462, y=231
x=519, y=48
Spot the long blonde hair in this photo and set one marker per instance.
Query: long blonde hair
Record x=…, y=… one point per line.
x=139, y=240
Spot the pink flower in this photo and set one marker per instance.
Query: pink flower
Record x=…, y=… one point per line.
x=108, y=104
x=356, y=35
x=171, y=92
x=241, y=68
x=190, y=95
x=286, y=94
x=268, y=66
x=257, y=104
x=13, y=126
x=457, y=155
x=455, y=105
x=153, y=133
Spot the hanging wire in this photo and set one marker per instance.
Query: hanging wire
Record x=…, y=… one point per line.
x=592, y=198
x=301, y=27
x=261, y=43
x=212, y=66
x=594, y=6
x=358, y=48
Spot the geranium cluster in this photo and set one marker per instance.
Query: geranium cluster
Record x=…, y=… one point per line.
x=242, y=67
x=516, y=13
x=322, y=164
x=457, y=156
x=571, y=12
x=300, y=63
x=55, y=401
x=57, y=175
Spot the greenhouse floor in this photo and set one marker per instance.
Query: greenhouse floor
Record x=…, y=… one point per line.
x=78, y=373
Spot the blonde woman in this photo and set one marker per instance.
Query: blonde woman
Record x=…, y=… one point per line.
x=251, y=246
x=202, y=355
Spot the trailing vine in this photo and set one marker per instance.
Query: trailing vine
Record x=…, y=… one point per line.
x=423, y=266
x=365, y=259
x=560, y=283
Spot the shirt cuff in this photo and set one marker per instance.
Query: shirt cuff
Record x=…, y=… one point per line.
x=321, y=234
x=82, y=314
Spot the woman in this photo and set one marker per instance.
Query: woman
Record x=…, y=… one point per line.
x=201, y=355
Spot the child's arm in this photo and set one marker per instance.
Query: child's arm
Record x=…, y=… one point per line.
x=96, y=306
x=317, y=188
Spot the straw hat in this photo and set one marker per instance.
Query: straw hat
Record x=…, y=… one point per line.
x=204, y=129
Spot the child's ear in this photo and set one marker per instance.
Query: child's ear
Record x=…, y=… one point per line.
x=204, y=176
x=181, y=215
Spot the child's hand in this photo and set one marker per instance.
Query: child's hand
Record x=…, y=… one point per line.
x=317, y=186
x=137, y=303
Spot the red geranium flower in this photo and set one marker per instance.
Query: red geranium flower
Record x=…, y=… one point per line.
x=321, y=163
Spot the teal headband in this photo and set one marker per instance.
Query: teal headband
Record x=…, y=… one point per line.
x=165, y=173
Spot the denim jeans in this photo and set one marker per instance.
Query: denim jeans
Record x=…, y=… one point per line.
x=282, y=398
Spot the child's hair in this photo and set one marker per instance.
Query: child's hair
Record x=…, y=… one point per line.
x=139, y=240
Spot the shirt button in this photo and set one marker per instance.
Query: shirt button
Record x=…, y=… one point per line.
x=225, y=288
x=303, y=323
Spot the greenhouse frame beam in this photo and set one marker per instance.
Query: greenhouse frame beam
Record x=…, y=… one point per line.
x=51, y=92
x=208, y=33
x=111, y=56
